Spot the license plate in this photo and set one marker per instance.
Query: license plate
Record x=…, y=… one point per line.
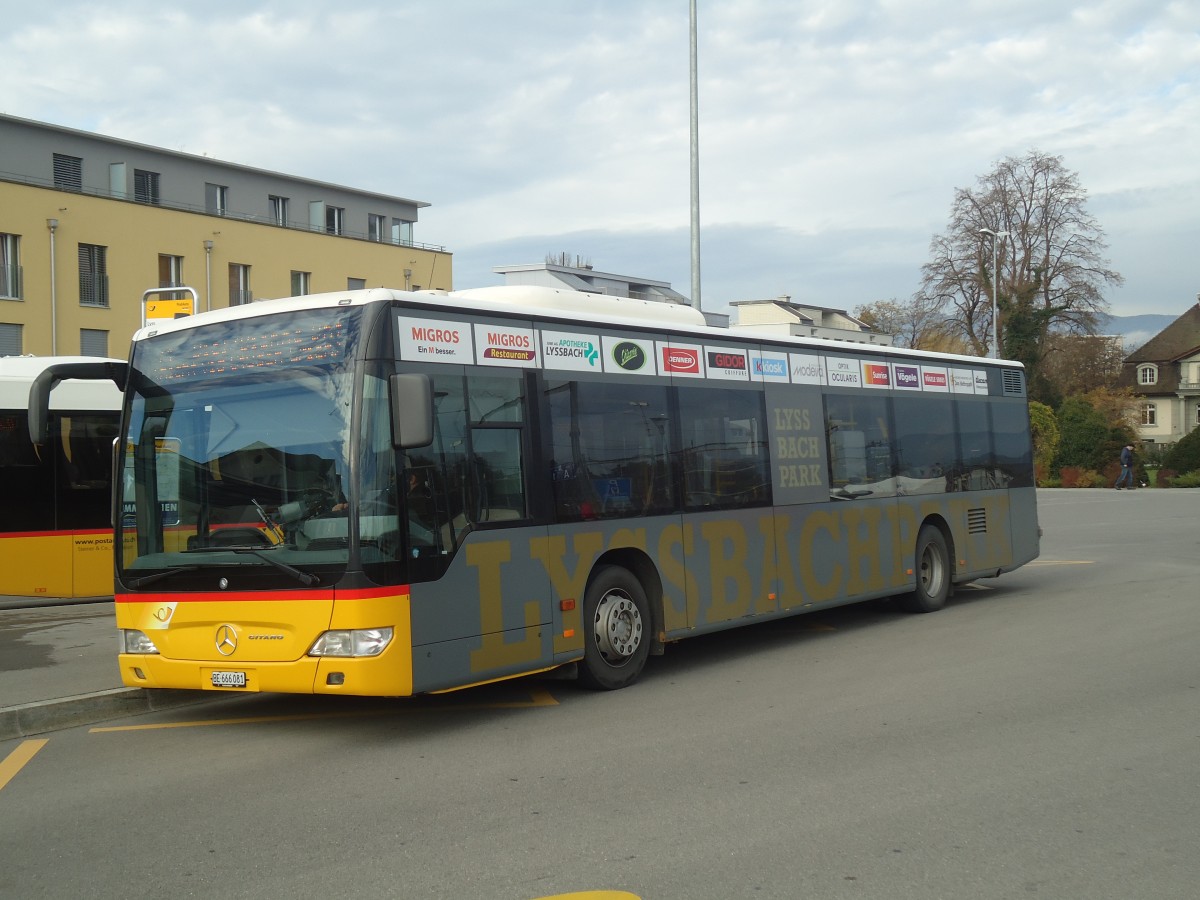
x=229, y=679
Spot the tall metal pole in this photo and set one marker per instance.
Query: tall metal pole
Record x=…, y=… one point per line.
x=695, y=124
x=996, y=235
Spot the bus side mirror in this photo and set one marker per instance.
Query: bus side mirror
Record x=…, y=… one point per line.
x=412, y=411
x=48, y=379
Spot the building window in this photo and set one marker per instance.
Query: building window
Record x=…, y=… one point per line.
x=170, y=274
x=93, y=275
x=335, y=220
x=145, y=186
x=216, y=199
x=1148, y=375
x=93, y=342
x=279, y=209
x=356, y=284
x=68, y=172
x=301, y=283
x=1149, y=414
x=402, y=231
x=10, y=340
x=239, y=284
x=10, y=266
x=375, y=226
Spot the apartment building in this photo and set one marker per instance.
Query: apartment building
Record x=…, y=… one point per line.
x=89, y=223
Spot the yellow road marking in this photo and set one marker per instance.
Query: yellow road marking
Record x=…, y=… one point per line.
x=15, y=761
x=1061, y=562
x=593, y=895
x=539, y=697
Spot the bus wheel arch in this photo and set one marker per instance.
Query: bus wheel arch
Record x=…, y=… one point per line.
x=621, y=612
x=933, y=566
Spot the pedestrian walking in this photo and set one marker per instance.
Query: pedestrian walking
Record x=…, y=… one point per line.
x=1126, y=477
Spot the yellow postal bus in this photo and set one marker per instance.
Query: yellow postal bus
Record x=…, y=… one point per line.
x=55, y=531
x=386, y=493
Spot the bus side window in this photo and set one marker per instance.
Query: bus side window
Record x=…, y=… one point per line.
x=1013, y=452
x=925, y=447
x=859, y=436
x=499, y=468
x=723, y=436
x=497, y=411
x=610, y=450
x=975, y=445
x=476, y=464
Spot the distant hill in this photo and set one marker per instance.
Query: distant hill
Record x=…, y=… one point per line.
x=1136, y=330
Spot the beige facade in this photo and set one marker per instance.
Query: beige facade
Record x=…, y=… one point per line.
x=781, y=316
x=74, y=263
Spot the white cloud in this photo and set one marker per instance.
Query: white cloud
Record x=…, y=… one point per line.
x=833, y=134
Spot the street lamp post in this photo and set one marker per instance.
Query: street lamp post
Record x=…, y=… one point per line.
x=996, y=235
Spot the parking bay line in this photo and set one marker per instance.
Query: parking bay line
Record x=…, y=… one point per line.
x=17, y=760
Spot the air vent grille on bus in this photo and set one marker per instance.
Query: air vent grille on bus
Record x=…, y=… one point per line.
x=977, y=521
x=1014, y=383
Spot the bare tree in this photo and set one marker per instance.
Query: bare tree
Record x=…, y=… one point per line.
x=919, y=323
x=1051, y=264
x=1077, y=363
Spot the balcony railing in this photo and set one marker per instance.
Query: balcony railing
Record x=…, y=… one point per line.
x=226, y=213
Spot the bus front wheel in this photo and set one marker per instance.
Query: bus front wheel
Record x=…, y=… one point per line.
x=616, y=620
x=933, y=572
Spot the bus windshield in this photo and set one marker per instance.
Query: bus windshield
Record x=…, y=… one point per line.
x=236, y=454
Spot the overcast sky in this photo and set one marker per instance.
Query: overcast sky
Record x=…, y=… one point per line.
x=833, y=133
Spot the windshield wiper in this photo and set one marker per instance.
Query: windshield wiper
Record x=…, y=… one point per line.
x=158, y=576
x=305, y=578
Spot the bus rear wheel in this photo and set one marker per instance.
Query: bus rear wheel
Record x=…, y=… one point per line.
x=616, y=620
x=933, y=572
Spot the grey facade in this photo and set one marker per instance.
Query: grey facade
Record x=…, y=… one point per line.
x=46, y=155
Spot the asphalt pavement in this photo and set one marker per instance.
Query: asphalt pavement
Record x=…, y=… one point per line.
x=58, y=668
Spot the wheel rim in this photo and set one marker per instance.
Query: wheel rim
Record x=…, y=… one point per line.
x=618, y=627
x=933, y=571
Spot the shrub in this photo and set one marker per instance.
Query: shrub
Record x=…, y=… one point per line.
x=1090, y=479
x=1044, y=427
x=1084, y=436
x=1187, y=480
x=1076, y=477
x=1165, y=477
x=1184, y=454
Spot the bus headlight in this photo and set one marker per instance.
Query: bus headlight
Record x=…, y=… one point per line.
x=134, y=641
x=360, y=642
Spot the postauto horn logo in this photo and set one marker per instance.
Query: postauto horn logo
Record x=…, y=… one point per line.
x=629, y=356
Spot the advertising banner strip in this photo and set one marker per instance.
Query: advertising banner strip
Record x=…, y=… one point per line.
x=446, y=341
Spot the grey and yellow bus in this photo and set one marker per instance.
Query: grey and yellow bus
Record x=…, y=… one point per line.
x=386, y=493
